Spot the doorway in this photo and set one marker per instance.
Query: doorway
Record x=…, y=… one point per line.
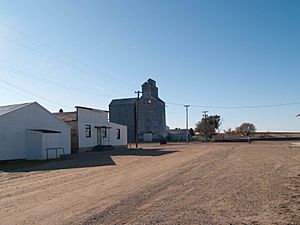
x=103, y=135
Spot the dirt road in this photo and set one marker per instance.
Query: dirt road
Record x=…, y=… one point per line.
x=174, y=184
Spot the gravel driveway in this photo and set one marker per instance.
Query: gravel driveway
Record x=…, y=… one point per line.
x=230, y=183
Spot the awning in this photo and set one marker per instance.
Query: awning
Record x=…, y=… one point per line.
x=45, y=131
x=102, y=127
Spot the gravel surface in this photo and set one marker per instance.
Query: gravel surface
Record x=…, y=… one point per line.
x=221, y=183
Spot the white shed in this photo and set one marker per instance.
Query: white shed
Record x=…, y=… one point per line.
x=29, y=131
x=102, y=132
x=91, y=128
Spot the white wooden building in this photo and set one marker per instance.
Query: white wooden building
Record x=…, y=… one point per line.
x=91, y=127
x=29, y=131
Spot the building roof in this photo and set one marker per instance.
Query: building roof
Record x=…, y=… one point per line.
x=152, y=97
x=46, y=131
x=72, y=116
x=177, y=131
x=92, y=109
x=130, y=101
x=123, y=101
x=66, y=116
x=10, y=108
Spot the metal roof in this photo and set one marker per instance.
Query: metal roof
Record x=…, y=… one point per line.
x=103, y=127
x=123, y=101
x=10, y=108
x=131, y=101
x=177, y=131
x=92, y=109
x=66, y=116
x=45, y=131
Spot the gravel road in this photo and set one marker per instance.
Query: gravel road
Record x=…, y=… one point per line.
x=213, y=183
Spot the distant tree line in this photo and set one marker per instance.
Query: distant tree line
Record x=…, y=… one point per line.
x=245, y=129
x=210, y=125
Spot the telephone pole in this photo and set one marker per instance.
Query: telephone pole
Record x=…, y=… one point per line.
x=137, y=118
x=187, y=121
x=205, y=127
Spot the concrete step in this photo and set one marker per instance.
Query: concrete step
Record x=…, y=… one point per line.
x=103, y=148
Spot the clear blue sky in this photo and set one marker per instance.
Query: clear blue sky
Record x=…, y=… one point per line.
x=63, y=53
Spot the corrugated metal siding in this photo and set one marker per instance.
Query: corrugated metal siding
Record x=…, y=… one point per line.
x=124, y=114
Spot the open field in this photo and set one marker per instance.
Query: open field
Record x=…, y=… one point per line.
x=220, y=183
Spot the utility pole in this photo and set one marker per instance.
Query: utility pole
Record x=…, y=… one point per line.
x=137, y=118
x=187, y=121
x=205, y=127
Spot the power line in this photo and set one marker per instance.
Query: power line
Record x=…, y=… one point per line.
x=13, y=91
x=251, y=106
x=51, y=102
x=56, y=59
x=172, y=103
x=239, y=107
x=68, y=86
x=48, y=81
x=111, y=77
x=43, y=53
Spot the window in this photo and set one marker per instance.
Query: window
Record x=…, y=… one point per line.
x=105, y=132
x=88, y=131
x=118, y=134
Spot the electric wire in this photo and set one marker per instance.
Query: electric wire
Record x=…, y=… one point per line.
x=18, y=88
x=239, y=107
x=104, y=75
x=75, y=68
x=54, y=83
x=111, y=77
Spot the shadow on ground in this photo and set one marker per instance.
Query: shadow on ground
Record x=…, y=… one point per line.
x=80, y=160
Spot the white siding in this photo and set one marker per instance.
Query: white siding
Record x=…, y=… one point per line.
x=13, y=144
x=34, y=143
x=92, y=118
x=113, y=134
x=12, y=141
x=97, y=118
x=52, y=141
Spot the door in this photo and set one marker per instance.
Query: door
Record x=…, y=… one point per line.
x=99, y=138
x=105, y=136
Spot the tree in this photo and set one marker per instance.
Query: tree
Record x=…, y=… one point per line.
x=229, y=131
x=207, y=127
x=215, y=122
x=192, y=132
x=246, y=129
